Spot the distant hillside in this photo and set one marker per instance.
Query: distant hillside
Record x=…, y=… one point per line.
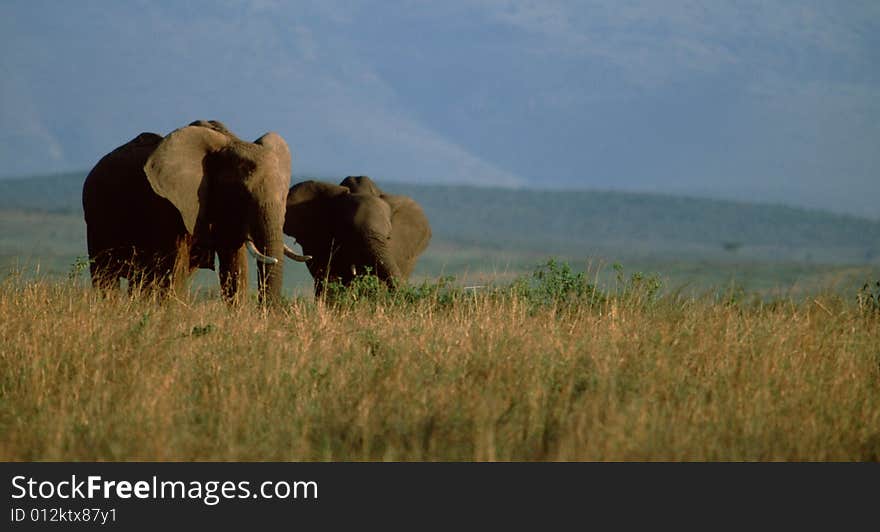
x=60, y=193
x=582, y=223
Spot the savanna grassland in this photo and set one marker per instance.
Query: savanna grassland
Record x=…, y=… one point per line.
x=748, y=339
x=546, y=368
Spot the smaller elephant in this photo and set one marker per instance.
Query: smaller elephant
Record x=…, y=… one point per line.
x=354, y=227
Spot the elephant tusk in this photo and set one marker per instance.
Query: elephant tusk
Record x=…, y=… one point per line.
x=354, y=271
x=265, y=259
x=291, y=254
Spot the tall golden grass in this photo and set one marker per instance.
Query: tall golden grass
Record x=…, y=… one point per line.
x=476, y=377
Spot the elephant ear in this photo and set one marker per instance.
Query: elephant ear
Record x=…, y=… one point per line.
x=276, y=145
x=176, y=169
x=410, y=230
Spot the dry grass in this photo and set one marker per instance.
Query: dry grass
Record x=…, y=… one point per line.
x=478, y=377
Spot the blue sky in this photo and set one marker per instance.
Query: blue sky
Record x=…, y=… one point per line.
x=757, y=100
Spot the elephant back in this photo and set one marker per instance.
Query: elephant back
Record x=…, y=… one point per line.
x=361, y=184
x=118, y=174
x=216, y=125
x=117, y=197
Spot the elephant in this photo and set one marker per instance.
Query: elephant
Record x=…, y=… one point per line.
x=353, y=226
x=158, y=208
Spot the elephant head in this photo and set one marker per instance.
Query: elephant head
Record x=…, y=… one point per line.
x=353, y=226
x=231, y=197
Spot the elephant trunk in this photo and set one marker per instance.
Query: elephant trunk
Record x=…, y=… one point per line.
x=386, y=267
x=388, y=271
x=270, y=268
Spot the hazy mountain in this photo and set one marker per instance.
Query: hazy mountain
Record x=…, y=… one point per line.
x=751, y=100
x=576, y=223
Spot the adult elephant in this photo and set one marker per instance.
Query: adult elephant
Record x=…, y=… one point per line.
x=353, y=226
x=157, y=208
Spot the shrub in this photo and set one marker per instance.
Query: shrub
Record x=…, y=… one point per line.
x=868, y=297
x=554, y=283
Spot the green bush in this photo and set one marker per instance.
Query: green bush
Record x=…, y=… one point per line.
x=639, y=287
x=554, y=283
x=868, y=297
x=369, y=288
x=551, y=284
x=362, y=288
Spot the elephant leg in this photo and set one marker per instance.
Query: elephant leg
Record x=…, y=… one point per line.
x=181, y=269
x=150, y=274
x=103, y=261
x=104, y=273
x=320, y=286
x=328, y=282
x=138, y=279
x=326, y=285
x=233, y=274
